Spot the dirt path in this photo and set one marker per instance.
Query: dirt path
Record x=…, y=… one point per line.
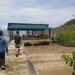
x=18, y=65
x=46, y=59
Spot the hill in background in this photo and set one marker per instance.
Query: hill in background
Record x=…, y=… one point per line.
x=65, y=34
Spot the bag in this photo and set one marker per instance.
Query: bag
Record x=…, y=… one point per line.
x=17, y=39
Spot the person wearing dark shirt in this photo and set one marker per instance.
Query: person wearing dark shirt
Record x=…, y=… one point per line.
x=17, y=41
x=3, y=48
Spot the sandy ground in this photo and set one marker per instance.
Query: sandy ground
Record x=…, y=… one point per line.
x=46, y=60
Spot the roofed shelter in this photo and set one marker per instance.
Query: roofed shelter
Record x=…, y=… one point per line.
x=28, y=27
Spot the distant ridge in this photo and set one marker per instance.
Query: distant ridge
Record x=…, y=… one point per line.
x=66, y=33
x=68, y=23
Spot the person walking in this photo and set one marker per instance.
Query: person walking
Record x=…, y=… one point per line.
x=3, y=49
x=17, y=41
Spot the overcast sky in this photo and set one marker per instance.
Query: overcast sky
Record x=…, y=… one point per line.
x=52, y=12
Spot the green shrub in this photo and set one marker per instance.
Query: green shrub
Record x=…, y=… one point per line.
x=66, y=35
x=70, y=60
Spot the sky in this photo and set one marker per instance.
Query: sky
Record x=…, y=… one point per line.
x=52, y=12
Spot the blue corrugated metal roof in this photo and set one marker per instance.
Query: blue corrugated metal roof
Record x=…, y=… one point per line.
x=27, y=27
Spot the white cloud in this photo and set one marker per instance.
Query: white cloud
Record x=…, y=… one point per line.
x=52, y=16
x=21, y=9
x=3, y=27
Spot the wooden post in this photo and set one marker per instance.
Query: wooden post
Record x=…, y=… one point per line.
x=22, y=33
x=11, y=35
x=27, y=32
x=32, y=33
x=50, y=33
x=43, y=34
x=35, y=33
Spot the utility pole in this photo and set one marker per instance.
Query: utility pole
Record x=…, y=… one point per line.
x=73, y=15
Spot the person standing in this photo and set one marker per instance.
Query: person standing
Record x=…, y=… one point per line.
x=17, y=41
x=3, y=48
